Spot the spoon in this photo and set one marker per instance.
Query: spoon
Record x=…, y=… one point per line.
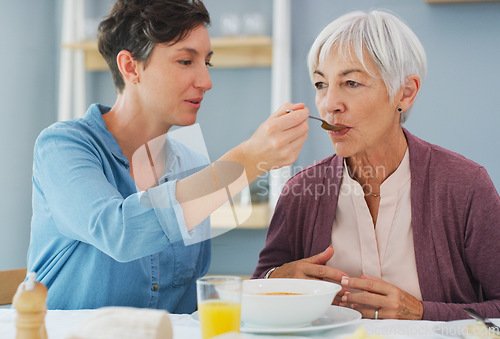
x=478, y=317
x=324, y=124
x=327, y=126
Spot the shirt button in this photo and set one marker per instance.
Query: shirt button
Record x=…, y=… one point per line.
x=155, y=287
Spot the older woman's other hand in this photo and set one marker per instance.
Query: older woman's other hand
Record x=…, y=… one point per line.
x=312, y=268
x=379, y=296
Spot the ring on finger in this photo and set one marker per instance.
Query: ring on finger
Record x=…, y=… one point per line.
x=376, y=314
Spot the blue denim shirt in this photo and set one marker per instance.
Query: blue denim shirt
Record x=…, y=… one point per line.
x=95, y=240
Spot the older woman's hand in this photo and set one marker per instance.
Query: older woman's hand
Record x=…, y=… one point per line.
x=312, y=268
x=378, y=295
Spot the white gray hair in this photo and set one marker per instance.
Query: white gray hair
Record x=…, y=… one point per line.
x=390, y=43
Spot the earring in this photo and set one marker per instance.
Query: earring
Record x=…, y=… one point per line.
x=135, y=82
x=400, y=109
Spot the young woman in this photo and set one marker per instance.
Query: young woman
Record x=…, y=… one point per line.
x=102, y=234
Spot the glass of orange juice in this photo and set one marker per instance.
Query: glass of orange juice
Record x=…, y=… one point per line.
x=219, y=305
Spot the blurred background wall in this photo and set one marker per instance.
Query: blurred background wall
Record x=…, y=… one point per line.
x=458, y=107
x=28, y=96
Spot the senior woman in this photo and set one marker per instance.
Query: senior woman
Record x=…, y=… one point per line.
x=410, y=229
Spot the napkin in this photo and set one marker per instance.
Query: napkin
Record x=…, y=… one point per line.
x=124, y=323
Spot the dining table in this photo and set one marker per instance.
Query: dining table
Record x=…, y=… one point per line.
x=185, y=326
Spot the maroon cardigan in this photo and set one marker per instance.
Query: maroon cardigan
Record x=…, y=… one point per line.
x=455, y=218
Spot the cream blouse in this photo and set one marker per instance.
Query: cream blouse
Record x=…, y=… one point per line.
x=384, y=250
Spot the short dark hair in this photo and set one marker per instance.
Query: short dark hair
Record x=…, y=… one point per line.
x=137, y=25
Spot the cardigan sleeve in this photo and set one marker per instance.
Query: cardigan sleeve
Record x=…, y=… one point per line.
x=481, y=253
x=277, y=250
x=299, y=227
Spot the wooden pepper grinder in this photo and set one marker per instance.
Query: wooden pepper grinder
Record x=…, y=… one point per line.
x=29, y=301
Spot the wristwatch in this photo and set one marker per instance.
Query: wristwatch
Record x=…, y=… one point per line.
x=269, y=272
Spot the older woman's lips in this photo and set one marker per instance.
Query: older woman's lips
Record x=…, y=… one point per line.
x=340, y=132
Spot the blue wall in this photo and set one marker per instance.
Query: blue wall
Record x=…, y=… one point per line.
x=28, y=95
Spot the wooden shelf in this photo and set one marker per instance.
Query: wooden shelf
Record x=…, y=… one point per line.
x=242, y=52
x=93, y=59
x=253, y=216
x=228, y=53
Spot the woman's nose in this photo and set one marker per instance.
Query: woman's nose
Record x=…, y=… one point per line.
x=203, y=80
x=334, y=102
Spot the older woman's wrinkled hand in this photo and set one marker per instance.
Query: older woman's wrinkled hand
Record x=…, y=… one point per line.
x=378, y=299
x=312, y=268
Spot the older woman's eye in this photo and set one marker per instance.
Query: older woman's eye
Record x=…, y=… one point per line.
x=319, y=85
x=208, y=64
x=352, y=84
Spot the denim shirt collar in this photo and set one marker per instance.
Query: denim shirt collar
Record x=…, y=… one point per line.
x=94, y=118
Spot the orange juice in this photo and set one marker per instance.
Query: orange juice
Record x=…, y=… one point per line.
x=217, y=317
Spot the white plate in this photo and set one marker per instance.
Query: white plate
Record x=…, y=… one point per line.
x=335, y=316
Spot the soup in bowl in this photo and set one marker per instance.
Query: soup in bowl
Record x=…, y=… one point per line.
x=285, y=302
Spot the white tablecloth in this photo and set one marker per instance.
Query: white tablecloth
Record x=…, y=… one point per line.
x=59, y=323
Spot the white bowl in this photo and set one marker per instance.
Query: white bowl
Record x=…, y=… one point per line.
x=310, y=301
